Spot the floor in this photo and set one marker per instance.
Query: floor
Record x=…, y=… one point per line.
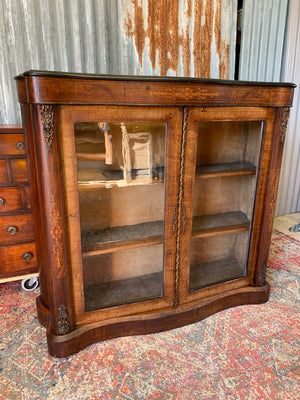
x=283, y=223
x=250, y=352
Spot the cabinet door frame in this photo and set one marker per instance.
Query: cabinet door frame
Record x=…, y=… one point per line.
x=67, y=116
x=211, y=114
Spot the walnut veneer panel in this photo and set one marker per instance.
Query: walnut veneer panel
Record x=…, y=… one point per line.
x=96, y=239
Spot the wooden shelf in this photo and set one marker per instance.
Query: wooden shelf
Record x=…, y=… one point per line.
x=211, y=273
x=225, y=169
x=108, y=294
x=88, y=178
x=123, y=237
x=90, y=156
x=145, y=287
x=217, y=224
x=151, y=233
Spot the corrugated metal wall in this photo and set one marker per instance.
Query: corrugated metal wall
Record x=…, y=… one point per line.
x=288, y=200
x=155, y=37
x=264, y=57
x=262, y=45
x=135, y=37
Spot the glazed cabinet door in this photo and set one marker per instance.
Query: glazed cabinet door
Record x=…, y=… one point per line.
x=227, y=156
x=124, y=162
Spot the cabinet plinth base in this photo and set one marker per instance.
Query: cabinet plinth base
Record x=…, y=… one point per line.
x=83, y=336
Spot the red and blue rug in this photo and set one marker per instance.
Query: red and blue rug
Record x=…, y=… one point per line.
x=248, y=352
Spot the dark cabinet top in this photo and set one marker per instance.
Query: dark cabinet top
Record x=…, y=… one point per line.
x=76, y=88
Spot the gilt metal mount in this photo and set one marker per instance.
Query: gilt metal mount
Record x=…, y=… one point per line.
x=284, y=123
x=63, y=325
x=47, y=119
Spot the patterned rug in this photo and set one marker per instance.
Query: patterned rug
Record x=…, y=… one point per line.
x=248, y=352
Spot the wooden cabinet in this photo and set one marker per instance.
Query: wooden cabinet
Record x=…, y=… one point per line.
x=17, y=247
x=154, y=199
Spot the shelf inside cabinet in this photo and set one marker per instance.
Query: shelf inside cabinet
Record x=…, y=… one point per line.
x=122, y=237
x=216, y=224
x=115, y=178
x=151, y=233
x=123, y=291
x=225, y=169
x=90, y=156
x=213, y=272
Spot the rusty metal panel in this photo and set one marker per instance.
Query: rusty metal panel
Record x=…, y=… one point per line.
x=183, y=37
x=131, y=37
x=288, y=200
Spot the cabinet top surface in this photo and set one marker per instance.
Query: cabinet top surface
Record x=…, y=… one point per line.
x=75, y=75
x=38, y=87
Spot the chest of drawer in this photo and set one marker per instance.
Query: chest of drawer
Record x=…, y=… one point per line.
x=10, y=199
x=12, y=144
x=17, y=260
x=17, y=247
x=16, y=228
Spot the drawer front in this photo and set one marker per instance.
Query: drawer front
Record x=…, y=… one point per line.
x=3, y=172
x=12, y=144
x=27, y=197
x=18, y=259
x=10, y=199
x=16, y=228
x=19, y=170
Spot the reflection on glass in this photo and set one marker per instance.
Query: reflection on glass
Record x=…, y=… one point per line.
x=225, y=180
x=120, y=154
x=120, y=169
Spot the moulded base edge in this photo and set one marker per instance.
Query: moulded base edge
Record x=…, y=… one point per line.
x=83, y=336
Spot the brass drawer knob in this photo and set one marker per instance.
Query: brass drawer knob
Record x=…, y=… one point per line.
x=20, y=145
x=2, y=201
x=12, y=230
x=27, y=256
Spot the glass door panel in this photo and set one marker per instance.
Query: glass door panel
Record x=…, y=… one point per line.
x=227, y=162
x=121, y=169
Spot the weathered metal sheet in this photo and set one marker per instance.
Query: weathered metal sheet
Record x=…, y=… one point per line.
x=264, y=57
x=131, y=37
x=186, y=38
x=262, y=44
x=288, y=200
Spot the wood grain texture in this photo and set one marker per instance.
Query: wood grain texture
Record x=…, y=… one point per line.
x=151, y=91
x=276, y=149
x=170, y=116
x=27, y=197
x=15, y=210
x=19, y=170
x=12, y=260
x=218, y=202
x=24, y=228
x=47, y=169
x=11, y=197
x=3, y=172
x=33, y=167
x=63, y=346
x=12, y=144
x=11, y=128
x=225, y=169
